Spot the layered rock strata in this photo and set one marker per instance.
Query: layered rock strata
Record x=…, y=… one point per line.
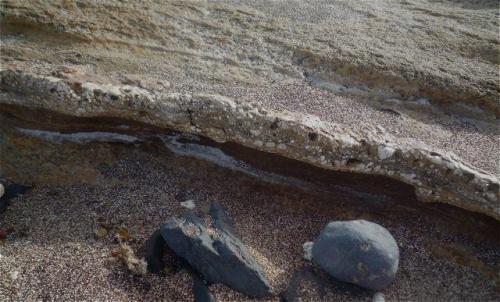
x=437, y=176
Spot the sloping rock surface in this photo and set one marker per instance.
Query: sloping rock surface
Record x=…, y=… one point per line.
x=406, y=89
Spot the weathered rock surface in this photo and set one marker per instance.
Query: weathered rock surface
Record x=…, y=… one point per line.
x=359, y=252
x=348, y=47
x=216, y=254
x=199, y=67
x=437, y=175
x=221, y=219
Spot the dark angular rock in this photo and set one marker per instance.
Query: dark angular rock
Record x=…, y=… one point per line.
x=216, y=254
x=358, y=251
x=221, y=220
x=154, y=249
x=11, y=191
x=200, y=291
x=159, y=256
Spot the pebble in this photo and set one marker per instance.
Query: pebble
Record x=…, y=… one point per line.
x=100, y=232
x=188, y=204
x=14, y=275
x=2, y=190
x=308, y=250
x=378, y=297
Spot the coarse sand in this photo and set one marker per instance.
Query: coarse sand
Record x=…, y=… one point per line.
x=51, y=252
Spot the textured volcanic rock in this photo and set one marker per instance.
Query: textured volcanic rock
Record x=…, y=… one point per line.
x=216, y=254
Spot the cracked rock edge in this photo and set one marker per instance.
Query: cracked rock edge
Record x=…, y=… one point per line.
x=438, y=176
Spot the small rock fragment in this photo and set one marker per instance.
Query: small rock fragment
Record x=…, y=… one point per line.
x=307, y=246
x=134, y=264
x=378, y=297
x=2, y=190
x=100, y=232
x=201, y=291
x=122, y=233
x=188, y=204
x=154, y=249
x=359, y=252
x=423, y=102
x=14, y=275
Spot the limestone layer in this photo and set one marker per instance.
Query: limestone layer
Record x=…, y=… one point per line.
x=437, y=176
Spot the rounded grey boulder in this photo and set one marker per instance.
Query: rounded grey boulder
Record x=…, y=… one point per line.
x=359, y=252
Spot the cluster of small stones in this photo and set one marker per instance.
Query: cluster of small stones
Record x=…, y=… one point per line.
x=437, y=176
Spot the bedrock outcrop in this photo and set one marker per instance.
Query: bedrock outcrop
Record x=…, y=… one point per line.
x=437, y=175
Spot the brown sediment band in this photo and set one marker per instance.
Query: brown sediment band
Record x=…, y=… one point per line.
x=437, y=176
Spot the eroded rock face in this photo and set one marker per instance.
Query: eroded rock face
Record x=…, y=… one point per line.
x=359, y=252
x=216, y=254
x=198, y=68
x=437, y=175
x=343, y=46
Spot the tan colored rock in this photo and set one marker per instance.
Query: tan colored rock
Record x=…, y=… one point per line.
x=100, y=232
x=407, y=89
x=436, y=175
x=135, y=265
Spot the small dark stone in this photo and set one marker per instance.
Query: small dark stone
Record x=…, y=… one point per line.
x=274, y=125
x=201, y=291
x=313, y=136
x=11, y=191
x=154, y=248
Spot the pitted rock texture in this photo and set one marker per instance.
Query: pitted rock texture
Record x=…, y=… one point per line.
x=443, y=50
x=216, y=254
x=424, y=70
x=436, y=174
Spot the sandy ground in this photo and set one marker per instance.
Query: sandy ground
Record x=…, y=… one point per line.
x=51, y=253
